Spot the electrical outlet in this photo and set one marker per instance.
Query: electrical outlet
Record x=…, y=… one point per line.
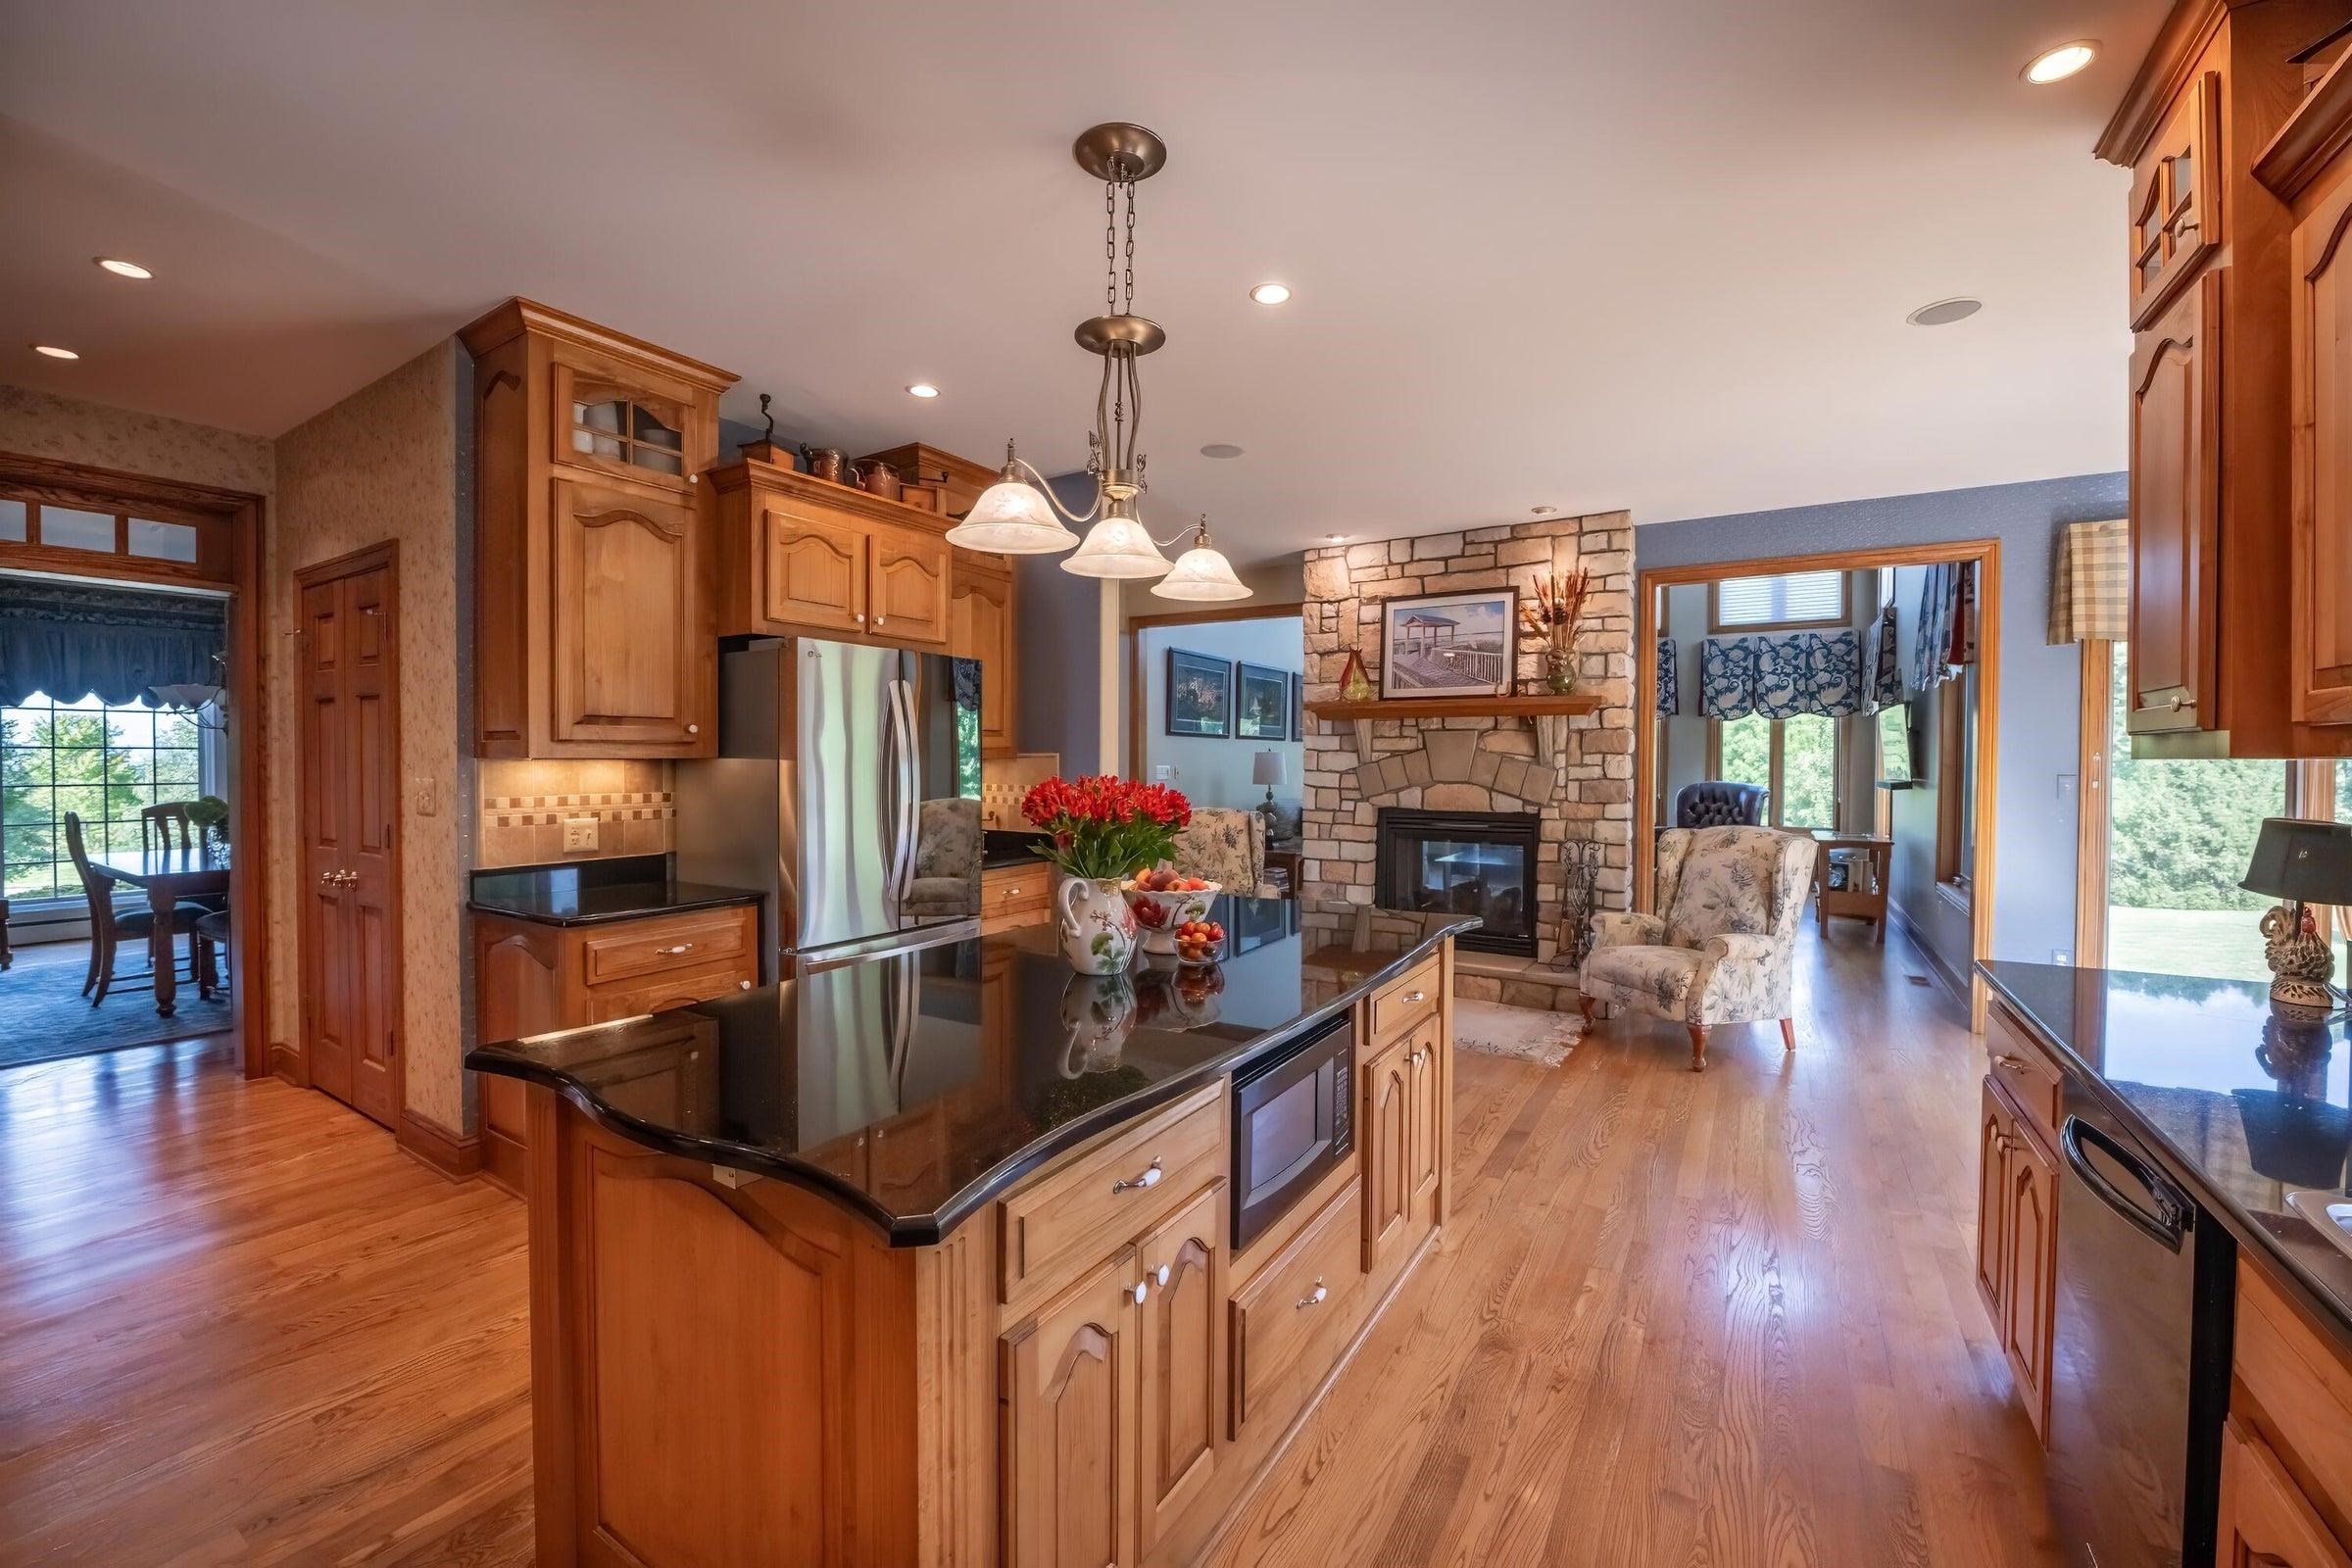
x=1162, y=773
x=580, y=833
x=2061, y=956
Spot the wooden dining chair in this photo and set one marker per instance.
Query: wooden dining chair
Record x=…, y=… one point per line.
x=109, y=924
x=157, y=822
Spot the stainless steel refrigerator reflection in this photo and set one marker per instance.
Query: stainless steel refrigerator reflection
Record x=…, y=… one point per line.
x=846, y=787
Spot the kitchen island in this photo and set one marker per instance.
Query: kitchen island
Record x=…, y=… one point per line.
x=930, y=1259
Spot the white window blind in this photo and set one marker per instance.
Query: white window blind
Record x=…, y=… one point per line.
x=1790, y=598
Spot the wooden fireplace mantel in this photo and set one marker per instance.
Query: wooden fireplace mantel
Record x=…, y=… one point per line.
x=1547, y=714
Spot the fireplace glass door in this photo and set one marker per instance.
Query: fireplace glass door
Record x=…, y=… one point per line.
x=1463, y=862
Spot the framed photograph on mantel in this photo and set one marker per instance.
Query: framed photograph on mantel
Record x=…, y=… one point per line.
x=1200, y=695
x=1450, y=645
x=1262, y=711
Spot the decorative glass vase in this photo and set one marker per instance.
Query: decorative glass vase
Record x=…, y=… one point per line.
x=1097, y=928
x=1559, y=671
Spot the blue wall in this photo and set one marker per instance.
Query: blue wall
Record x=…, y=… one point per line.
x=2034, y=872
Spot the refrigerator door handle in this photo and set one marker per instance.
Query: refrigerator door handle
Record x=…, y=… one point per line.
x=2167, y=1225
x=905, y=780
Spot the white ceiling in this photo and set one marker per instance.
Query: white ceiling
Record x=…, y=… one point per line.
x=1644, y=255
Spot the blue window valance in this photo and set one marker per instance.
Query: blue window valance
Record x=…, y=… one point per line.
x=70, y=641
x=1783, y=674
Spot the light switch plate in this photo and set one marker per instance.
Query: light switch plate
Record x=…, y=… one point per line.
x=580, y=833
x=424, y=795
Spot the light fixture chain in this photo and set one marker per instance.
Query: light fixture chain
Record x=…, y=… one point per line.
x=1129, y=306
x=1110, y=247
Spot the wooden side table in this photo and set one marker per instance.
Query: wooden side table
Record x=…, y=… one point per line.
x=1285, y=858
x=1863, y=903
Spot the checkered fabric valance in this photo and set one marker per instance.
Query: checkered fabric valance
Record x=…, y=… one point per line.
x=2091, y=583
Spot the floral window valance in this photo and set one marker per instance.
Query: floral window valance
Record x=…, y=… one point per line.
x=115, y=644
x=1783, y=674
x=1670, y=694
x=1947, y=624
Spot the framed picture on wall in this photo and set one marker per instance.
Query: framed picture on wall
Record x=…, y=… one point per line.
x=1200, y=695
x=1298, y=708
x=1450, y=645
x=1262, y=711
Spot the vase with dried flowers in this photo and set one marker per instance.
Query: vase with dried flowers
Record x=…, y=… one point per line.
x=1100, y=831
x=1553, y=615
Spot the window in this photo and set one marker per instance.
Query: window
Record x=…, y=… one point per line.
x=1791, y=599
x=1796, y=759
x=48, y=536
x=607, y=424
x=102, y=763
x=1956, y=781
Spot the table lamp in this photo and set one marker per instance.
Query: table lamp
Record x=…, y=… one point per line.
x=1266, y=768
x=2301, y=863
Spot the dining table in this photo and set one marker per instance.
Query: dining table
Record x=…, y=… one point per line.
x=167, y=873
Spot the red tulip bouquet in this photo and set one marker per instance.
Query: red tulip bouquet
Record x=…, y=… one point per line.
x=1098, y=831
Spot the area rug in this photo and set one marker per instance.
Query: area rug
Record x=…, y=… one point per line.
x=1521, y=1033
x=43, y=1015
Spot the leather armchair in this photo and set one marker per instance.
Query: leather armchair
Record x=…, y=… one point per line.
x=1720, y=803
x=1723, y=947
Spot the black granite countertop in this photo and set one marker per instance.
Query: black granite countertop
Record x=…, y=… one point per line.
x=914, y=1088
x=588, y=892
x=2241, y=1105
x=1002, y=846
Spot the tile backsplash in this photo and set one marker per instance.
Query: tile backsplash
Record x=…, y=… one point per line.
x=1005, y=780
x=524, y=807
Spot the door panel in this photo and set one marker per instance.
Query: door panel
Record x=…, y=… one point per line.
x=1992, y=1153
x=2266, y=1520
x=2030, y=1245
x=2321, y=347
x=325, y=759
x=1068, y=1393
x=627, y=637
x=1183, y=1388
x=1427, y=1162
x=2175, y=505
x=980, y=626
x=1388, y=1132
x=815, y=571
x=909, y=586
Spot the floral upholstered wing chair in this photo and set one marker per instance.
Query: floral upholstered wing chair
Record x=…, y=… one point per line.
x=1722, y=947
x=1226, y=846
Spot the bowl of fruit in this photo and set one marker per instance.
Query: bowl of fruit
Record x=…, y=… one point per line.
x=1199, y=942
x=1162, y=901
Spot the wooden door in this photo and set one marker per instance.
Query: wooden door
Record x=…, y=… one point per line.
x=1993, y=1133
x=1068, y=1391
x=980, y=626
x=908, y=585
x=1387, y=1131
x=816, y=569
x=633, y=664
x=350, y=795
x=2266, y=1520
x=1426, y=1161
x=2174, y=510
x=2030, y=1268
x=1181, y=1393
x=2320, y=349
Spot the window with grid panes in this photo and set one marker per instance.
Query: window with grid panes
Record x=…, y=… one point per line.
x=102, y=762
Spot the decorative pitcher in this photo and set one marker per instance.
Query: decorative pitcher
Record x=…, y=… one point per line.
x=1097, y=928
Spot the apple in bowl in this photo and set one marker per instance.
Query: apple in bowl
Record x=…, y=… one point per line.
x=1162, y=901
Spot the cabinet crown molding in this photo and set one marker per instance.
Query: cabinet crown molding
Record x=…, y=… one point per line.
x=2163, y=73
x=2308, y=143
x=519, y=315
x=748, y=472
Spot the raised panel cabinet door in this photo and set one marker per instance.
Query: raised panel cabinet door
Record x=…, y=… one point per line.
x=1068, y=1454
x=2030, y=1266
x=1388, y=1132
x=980, y=626
x=2320, y=352
x=816, y=569
x=1180, y=1402
x=1427, y=1162
x=2266, y=1521
x=1993, y=1133
x=631, y=665
x=2175, y=511
x=2175, y=208
x=908, y=585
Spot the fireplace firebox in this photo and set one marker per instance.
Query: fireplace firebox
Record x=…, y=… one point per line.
x=1463, y=862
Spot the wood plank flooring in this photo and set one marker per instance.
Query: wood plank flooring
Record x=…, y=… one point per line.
x=1680, y=1320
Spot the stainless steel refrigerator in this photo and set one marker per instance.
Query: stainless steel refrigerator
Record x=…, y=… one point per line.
x=846, y=790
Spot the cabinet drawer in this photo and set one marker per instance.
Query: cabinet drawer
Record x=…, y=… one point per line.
x=664, y=991
x=1016, y=890
x=1290, y=1320
x=1074, y=1217
x=1404, y=1004
x=682, y=942
x=2026, y=1071
x=2303, y=1390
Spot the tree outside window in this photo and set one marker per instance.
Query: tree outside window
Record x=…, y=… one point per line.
x=103, y=763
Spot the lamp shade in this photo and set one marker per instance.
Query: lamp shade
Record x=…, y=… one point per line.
x=1266, y=768
x=1117, y=547
x=2304, y=861
x=1201, y=574
x=1013, y=517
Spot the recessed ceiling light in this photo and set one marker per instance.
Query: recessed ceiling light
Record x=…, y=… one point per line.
x=2056, y=64
x=1221, y=449
x=1270, y=293
x=1943, y=313
x=54, y=352
x=123, y=269
x=1543, y=512
x=1334, y=538
x=922, y=389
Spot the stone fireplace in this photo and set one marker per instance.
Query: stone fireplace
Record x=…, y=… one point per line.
x=1573, y=783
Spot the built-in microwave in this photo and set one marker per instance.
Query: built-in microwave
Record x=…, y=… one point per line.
x=1293, y=1120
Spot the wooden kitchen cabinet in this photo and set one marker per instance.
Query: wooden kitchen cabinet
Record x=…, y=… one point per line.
x=814, y=568
x=594, y=633
x=980, y=626
x=2266, y=1522
x=2220, y=397
x=1385, y=1125
x=2017, y=1245
x=1180, y=1402
x=1013, y=896
x=804, y=556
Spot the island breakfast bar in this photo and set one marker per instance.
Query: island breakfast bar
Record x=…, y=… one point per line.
x=954, y=1257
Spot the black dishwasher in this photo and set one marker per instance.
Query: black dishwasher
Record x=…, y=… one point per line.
x=2139, y=1370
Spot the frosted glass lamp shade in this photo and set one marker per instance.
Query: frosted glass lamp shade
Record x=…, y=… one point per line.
x=1117, y=547
x=1201, y=574
x=1013, y=517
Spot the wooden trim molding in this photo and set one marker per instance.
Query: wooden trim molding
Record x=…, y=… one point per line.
x=457, y=1159
x=519, y=315
x=1131, y=647
x=2164, y=72
x=2093, y=781
x=2313, y=136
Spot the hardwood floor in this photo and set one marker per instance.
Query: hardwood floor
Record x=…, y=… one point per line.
x=1681, y=1320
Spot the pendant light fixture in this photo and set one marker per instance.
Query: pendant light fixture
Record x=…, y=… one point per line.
x=1021, y=514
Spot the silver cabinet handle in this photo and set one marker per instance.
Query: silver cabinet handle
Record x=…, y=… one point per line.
x=743, y=985
x=2013, y=1063
x=683, y=947
x=1150, y=1178
x=1143, y=1288
x=878, y=619
x=859, y=618
x=1161, y=1277
x=693, y=729
x=1315, y=1297
x=1416, y=996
